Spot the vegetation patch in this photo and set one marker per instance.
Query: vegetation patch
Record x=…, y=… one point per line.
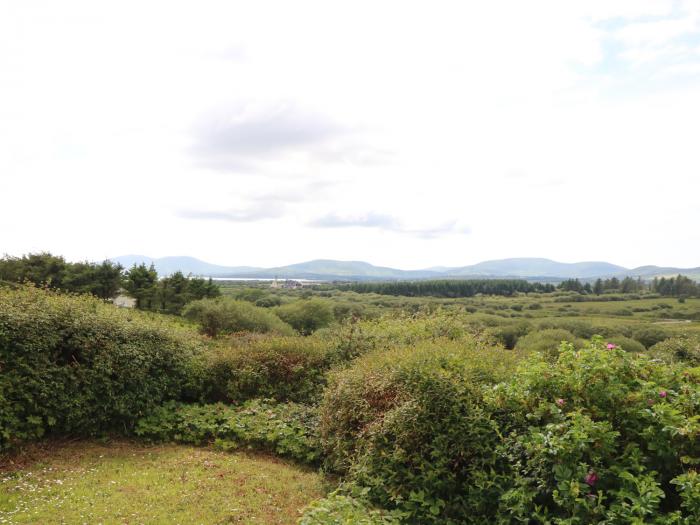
x=124, y=482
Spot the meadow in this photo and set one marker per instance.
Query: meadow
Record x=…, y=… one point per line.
x=323, y=405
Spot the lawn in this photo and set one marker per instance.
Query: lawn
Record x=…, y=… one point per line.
x=128, y=483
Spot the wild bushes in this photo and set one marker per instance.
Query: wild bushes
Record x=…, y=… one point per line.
x=283, y=368
x=225, y=315
x=409, y=426
x=306, y=316
x=547, y=341
x=683, y=348
x=449, y=433
x=285, y=429
x=77, y=365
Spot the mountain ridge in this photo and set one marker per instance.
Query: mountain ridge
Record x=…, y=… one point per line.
x=533, y=268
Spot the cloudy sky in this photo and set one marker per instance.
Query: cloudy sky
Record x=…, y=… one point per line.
x=407, y=134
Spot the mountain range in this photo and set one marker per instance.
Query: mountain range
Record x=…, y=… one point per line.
x=327, y=269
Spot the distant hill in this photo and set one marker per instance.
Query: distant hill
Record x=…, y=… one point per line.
x=187, y=265
x=531, y=267
x=327, y=269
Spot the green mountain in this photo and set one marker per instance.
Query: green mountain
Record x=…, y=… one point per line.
x=328, y=269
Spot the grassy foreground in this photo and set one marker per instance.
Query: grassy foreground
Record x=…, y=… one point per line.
x=128, y=483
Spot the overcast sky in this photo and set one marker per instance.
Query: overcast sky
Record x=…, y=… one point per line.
x=406, y=134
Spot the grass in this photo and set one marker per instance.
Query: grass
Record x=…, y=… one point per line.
x=129, y=483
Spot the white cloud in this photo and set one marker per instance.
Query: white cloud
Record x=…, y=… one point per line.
x=125, y=125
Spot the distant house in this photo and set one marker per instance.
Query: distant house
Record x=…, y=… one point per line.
x=124, y=301
x=287, y=283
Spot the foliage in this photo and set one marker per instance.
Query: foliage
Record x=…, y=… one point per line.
x=683, y=348
x=73, y=364
x=451, y=287
x=306, y=316
x=169, y=294
x=407, y=424
x=593, y=434
x=122, y=482
x=547, y=341
x=283, y=368
x=226, y=315
x=626, y=343
x=600, y=435
x=100, y=279
x=340, y=509
x=649, y=335
x=285, y=429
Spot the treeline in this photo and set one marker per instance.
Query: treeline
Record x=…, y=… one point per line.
x=103, y=280
x=451, y=288
x=680, y=286
x=107, y=279
x=168, y=294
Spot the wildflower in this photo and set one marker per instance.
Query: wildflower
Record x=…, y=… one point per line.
x=611, y=346
x=560, y=402
x=591, y=478
x=663, y=393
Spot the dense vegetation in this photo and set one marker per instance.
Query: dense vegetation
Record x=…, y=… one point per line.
x=451, y=288
x=530, y=408
x=105, y=280
x=77, y=365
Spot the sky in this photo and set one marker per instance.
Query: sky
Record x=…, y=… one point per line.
x=405, y=134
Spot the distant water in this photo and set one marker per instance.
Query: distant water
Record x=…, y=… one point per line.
x=263, y=279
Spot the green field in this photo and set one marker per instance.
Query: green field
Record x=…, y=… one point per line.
x=125, y=482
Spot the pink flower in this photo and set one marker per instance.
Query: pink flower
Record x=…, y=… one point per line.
x=663, y=393
x=591, y=478
x=611, y=346
x=560, y=402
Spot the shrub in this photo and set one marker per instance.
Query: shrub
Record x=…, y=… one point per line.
x=306, y=316
x=683, y=348
x=626, y=343
x=285, y=429
x=649, y=335
x=598, y=436
x=547, y=341
x=341, y=509
x=228, y=315
x=509, y=334
x=268, y=301
x=283, y=368
x=74, y=364
x=409, y=426
x=579, y=328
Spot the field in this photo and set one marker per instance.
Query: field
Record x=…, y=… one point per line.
x=322, y=405
x=128, y=482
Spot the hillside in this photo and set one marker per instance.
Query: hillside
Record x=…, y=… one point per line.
x=328, y=269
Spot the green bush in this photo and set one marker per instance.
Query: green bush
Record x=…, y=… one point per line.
x=649, y=335
x=226, y=315
x=76, y=365
x=283, y=368
x=306, y=316
x=547, y=341
x=344, y=510
x=409, y=426
x=285, y=429
x=509, y=334
x=682, y=348
x=598, y=436
x=626, y=343
x=579, y=328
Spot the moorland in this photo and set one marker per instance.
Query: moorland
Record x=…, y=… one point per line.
x=434, y=401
